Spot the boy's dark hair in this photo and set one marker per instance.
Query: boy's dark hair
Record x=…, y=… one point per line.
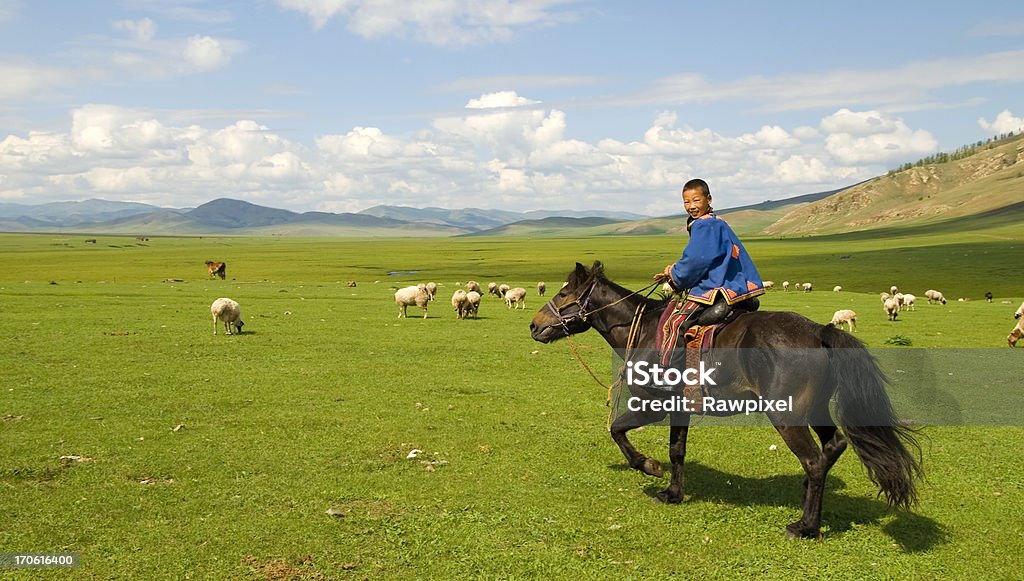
x=698, y=184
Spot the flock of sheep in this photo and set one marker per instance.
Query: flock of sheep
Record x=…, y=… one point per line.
x=466, y=303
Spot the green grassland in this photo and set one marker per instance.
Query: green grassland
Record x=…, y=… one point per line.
x=131, y=434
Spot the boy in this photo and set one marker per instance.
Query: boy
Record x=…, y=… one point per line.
x=714, y=267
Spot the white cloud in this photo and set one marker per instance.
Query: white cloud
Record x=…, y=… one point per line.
x=438, y=22
x=23, y=78
x=871, y=137
x=499, y=100
x=517, y=157
x=1005, y=122
x=141, y=30
x=206, y=53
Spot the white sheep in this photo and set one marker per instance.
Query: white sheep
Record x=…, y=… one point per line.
x=503, y=288
x=893, y=289
x=473, y=300
x=473, y=286
x=228, y=312
x=516, y=296
x=934, y=295
x=845, y=316
x=492, y=289
x=541, y=288
x=892, y=308
x=460, y=302
x=807, y=287
x=412, y=295
x=1018, y=329
x=431, y=289
x=885, y=297
x=785, y=285
x=837, y=288
x=908, y=302
x=769, y=284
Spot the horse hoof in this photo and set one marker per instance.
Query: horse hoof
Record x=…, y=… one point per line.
x=667, y=497
x=797, y=530
x=652, y=467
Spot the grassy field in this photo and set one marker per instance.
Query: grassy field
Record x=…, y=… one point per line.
x=132, y=435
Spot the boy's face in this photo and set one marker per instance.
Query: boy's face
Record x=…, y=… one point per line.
x=696, y=203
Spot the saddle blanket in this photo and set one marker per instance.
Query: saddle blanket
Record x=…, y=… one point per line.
x=697, y=341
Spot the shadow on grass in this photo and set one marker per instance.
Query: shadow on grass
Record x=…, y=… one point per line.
x=914, y=533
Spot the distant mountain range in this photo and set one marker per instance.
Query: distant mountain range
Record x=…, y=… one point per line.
x=987, y=183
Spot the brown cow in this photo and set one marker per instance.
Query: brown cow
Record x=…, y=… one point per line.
x=216, y=269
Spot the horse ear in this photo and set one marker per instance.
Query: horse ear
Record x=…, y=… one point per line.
x=597, y=269
x=581, y=271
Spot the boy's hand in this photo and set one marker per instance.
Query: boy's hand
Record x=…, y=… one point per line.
x=665, y=274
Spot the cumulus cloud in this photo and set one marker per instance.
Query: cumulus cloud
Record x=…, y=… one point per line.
x=1005, y=122
x=501, y=150
x=438, y=22
x=871, y=137
x=206, y=53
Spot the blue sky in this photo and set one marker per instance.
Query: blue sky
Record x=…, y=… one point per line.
x=339, y=105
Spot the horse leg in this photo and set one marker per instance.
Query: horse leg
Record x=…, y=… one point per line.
x=833, y=443
x=801, y=442
x=677, y=454
x=625, y=423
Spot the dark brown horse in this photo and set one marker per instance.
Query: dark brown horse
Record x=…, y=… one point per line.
x=777, y=356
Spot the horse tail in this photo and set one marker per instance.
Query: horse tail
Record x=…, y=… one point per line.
x=865, y=413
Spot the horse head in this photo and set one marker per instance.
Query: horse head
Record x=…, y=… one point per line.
x=566, y=313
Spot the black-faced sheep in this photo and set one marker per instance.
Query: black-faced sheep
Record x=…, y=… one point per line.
x=845, y=316
x=473, y=300
x=807, y=287
x=412, y=295
x=516, y=297
x=785, y=285
x=934, y=295
x=460, y=302
x=229, y=313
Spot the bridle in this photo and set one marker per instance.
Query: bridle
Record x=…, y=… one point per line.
x=583, y=301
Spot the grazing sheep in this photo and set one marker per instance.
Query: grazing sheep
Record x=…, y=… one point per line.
x=473, y=286
x=988, y=296
x=837, y=288
x=351, y=284
x=541, y=288
x=908, y=302
x=503, y=288
x=431, y=290
x=807, y=287
x=785, y=285
x=492, y=289
x=845, y=316
x=769, y=284
x=892, y=308
x=460, y=302
x=885, y=297
x=412, y=295
x=934, y=295
x=517, y=297
x=228, y=312
x=898, y=297
x=473, y=299
x=1018, y=329
x=893, y=289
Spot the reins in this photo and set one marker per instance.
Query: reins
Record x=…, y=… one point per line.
x=631, y=338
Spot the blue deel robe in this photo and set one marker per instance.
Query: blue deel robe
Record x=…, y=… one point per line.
x=714, y=261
